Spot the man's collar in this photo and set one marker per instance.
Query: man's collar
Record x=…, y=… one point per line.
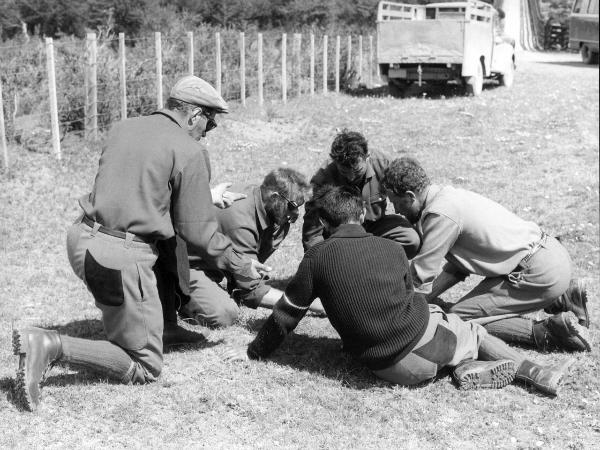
x=261, y=212
x=168, y=114
x=349, y=230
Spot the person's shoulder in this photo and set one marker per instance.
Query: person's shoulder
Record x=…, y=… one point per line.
x=379, y=161
x=325, y=174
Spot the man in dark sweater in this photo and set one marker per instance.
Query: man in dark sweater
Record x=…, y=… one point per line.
x=366, y=289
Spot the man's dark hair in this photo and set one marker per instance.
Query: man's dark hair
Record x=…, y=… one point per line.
x=283, y=181
x=348, y=148
x=405, y=174
x=338, y=204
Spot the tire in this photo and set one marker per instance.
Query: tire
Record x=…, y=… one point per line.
x=588, y=56
x=474, y=84
x=508, y=78
x=397, y=89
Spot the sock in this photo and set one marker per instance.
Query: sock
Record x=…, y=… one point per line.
x=493, y=349
x=102, y=357
x=518, y=330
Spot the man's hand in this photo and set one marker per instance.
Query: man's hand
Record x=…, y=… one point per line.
x=259, y=270
x=222, y=198
x=235, y=353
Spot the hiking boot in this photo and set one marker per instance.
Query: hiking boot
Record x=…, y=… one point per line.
x=561, y=332
x=173, y=335
x=574, y=299
x=484, y=374
x=38, y=350
x=544, y=378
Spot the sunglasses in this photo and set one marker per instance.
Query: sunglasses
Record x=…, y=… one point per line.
x=210, y=119
x=291, y=204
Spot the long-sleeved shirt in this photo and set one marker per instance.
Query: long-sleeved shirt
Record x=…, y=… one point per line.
x=472, y=232
x=153, y=182
x=365, y=286
x=373, y=194
x=253, y=235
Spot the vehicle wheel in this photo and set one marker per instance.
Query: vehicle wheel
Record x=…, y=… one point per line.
x=507, y=79
x=474, y=84
x=588, y=56
x=397, y=89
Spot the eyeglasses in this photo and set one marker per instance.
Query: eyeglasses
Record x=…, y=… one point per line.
x=210, y=119
x=291, y=204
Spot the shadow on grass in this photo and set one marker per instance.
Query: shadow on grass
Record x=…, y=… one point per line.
x=434, y=91
x=571, y=64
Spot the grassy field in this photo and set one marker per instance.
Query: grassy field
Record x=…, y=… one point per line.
x=533, y=148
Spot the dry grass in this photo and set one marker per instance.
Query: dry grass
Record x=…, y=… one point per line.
x=534, y=148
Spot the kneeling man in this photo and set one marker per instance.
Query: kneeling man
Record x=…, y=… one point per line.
x=366, y=289
x=525, y=269
x=256, y=226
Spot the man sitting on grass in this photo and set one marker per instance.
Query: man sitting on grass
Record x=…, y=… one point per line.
x=366, y=289
x=256, y=225
x=525, y=269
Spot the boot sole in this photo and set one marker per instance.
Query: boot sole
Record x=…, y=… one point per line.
x=579, y=331
x=496, y=377
x=21, y=348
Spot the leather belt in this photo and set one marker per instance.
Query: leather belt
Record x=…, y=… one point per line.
x=114, y=233
x=536, y=246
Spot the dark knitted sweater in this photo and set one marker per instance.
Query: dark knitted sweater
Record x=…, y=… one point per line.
x=365, y=286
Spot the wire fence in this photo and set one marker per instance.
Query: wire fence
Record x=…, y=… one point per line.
x=50, y=88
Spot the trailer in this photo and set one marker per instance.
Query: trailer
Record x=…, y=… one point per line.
x=441, y=42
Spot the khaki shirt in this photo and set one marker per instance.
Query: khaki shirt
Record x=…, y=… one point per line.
x=472, y=232
x=373, y=194
x=153, y=182
x=253, y=235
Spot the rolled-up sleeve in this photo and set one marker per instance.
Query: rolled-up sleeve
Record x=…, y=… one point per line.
x=439, y=235
x=195, y=220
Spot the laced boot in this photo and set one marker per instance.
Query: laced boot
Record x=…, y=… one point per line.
x=484, y=374
x=574, y=299
x=174, y=335
x=544, y=378
x=38, y=351
x=561, y=332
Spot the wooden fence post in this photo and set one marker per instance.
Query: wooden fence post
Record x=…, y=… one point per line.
x=370, y=79
x=349, y=59
x=261, y=99
x=218, y=61
x=123, y=76
x=284, y=67
x=337, y=64
x=52, y=97
x=325, y=64
x=158, y=53
x=297, y=52
x=360, y=58
x=190, y=35
x=91, y=88
x=312, y=64
x=243, y=68
x=3, y=133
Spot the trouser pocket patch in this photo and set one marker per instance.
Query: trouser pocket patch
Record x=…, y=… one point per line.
x=105, y=284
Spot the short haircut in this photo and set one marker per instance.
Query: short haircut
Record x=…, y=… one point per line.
x=285, y=181
x=348, y=148
x=338, y=204
x=405, y=174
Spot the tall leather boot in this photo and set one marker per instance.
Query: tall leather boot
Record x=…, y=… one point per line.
x=543, y=378
x=575, y=300
x=561, y=332
x=38, y=351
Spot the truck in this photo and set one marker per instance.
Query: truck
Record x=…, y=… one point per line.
x=583, y=30
x=442, y=42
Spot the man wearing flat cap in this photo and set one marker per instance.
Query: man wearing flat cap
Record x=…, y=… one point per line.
x=152, y=184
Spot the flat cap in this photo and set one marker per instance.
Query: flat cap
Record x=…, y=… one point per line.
x=196, y=91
